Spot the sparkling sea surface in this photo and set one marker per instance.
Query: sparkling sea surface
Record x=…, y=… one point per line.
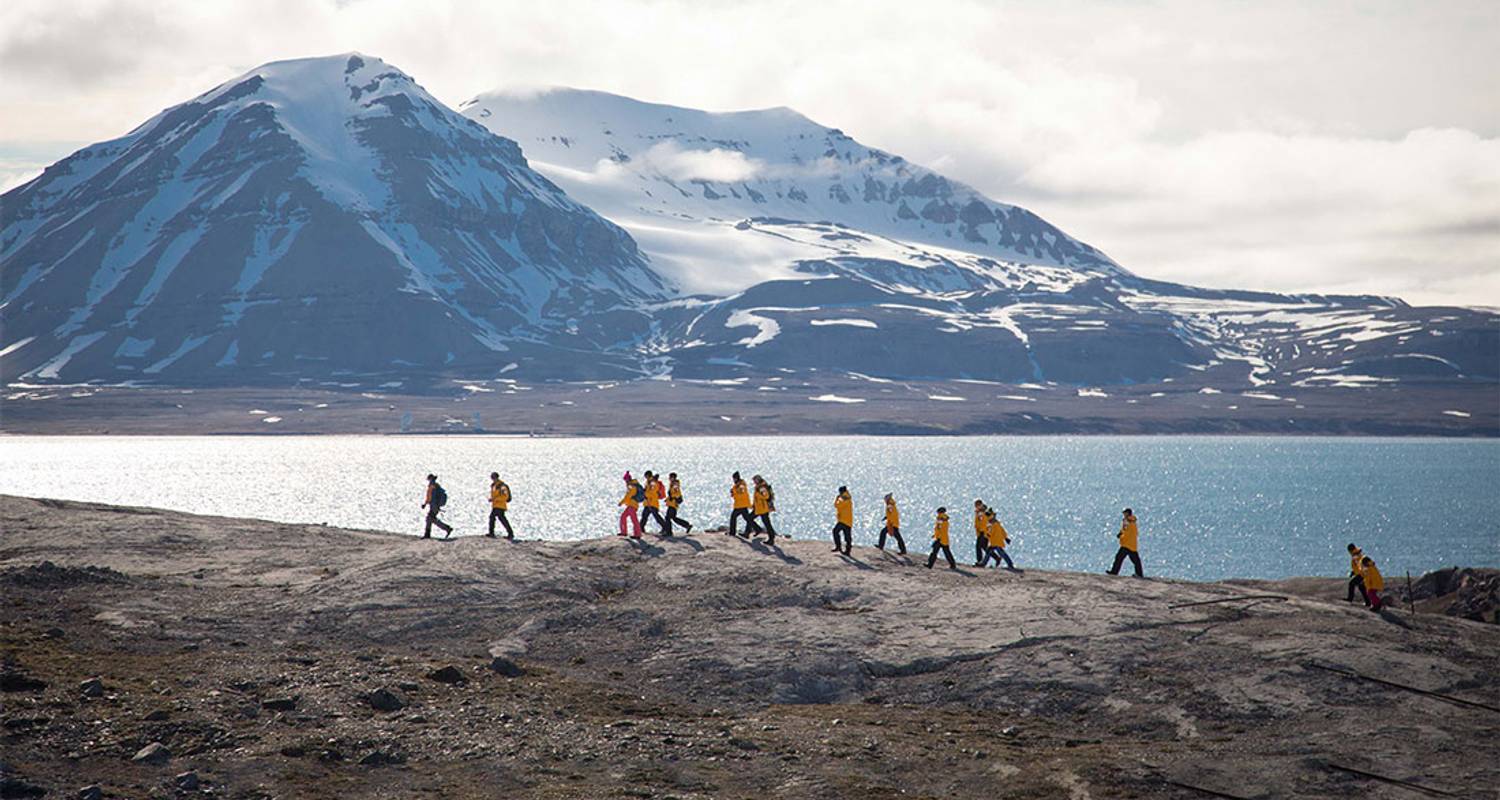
x=1209, y=507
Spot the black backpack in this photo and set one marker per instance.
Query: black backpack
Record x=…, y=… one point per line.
x=770, y=498
x=640, y=493
x=439, y=496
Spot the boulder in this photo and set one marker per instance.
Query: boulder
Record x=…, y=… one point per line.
x=279, y=703
x=186, y=781
x=506, y=667
x=154, y=753
x=91, y=792
x=383, y=699
x=93, y=687
x=14, y=680
x=449, y=674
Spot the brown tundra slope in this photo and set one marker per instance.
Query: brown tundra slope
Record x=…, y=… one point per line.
x=158, y=654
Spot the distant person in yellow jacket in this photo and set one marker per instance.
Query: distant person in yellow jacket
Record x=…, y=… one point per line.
x=739, y=494
x=652, y=508
x=1374, y=583
x=634, y=494
x=1129, y=537
x=1356, y=574
x=997, y=538
x=433, y=501
x=940, y=540
x=843, y=526
x=762, y=506
x=499, y=502
x=674, y=502
x=981, y=533
x=892, y=526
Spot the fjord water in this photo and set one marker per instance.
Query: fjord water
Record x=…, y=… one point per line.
x=1210, y=507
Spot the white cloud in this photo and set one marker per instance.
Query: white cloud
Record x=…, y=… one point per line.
x=1279, y=144
x=672, y=161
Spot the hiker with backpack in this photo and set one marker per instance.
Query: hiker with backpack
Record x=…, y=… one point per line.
x=1373, y=581
x=765, y=503
x=843, y=508
x=499, y=502
x=674, y=501
x=436, y=498
x=1129, y=537
x=1356, y=575
x=739, y=494
x=635, y=494
x=652, y=500
x=892, y=526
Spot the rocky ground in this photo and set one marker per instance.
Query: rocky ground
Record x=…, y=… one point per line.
x=805, y=403
x=156, y=654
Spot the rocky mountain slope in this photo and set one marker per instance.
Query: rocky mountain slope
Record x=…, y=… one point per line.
x=310, y=219
x=153, y=653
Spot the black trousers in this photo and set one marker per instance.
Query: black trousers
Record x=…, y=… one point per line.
x=673, y=519
x=998, y=553
x=981, y=547
x=1357, y=584
x=648, y=513
x=1121, y=555
x=742, y=513
x=939, y=547
x=896, y=533
x=765, y=520
x=432, y=519
x=499, y=513
x=848, y=540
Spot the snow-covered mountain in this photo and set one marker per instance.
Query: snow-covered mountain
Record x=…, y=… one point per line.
x=824, y=253
x=310, y=219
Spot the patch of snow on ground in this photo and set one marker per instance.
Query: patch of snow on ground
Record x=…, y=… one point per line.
x=853, y=323
x=1452, y=413
x=271, y=420
x=1091, y=393
x=833, y=398
x=1021, y=397
x=947, y=398
x=1208, y=390
x=767, y=328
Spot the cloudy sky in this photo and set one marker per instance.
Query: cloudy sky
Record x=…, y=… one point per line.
x=1331, y=146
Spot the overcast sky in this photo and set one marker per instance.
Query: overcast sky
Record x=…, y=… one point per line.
x=1330, y=146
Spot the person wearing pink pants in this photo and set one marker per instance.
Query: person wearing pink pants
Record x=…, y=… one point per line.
x=634, y=493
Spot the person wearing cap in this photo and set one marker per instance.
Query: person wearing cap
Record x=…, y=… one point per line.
x=998, y=539
x=1129, y=537
x=436, y=498
x=653, y=502
x=1374, y=583
x=843, y=507
x=629, y=503
x=764, y=503
x=739, y=494
x=892, y=526
x=1356, y=576
x=981, y=531
x=674, y=501
x=499, y=502
x=940, y=540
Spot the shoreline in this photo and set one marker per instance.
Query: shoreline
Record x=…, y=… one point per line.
x=309, y=661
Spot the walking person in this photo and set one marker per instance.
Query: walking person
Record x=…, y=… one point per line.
x=1374, y=583
x=436, y=498
x=634, y=494
x=892, y=526
x=764, y=504
x=981, y=533
x=653, y=503
x=940, y=540
x=997, y=538
x=843, y=507
x=674, y=501
x=739, y=493
x=1129, y=537
x=499, y=502
x=1356, y=575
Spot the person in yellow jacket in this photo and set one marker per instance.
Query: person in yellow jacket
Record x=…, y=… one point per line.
x=981, y=533
x=434, y=501
x=764, y=503
x=499, y=502
x=940, y=540
x=997, y=539
x=1374, y=583
x=1356, y=574
x=634, y=494
x=652, y=507
x=674, y=502
x=1129, y=537
x=843, y=507
x=892, y=526
x=739, y=494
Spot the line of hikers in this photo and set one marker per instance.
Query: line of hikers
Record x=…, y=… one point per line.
x=1365, y=577
x=644, y=499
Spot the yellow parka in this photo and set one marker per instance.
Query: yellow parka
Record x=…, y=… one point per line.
x=674, y=495
x=1129, y=535
x=762, y=500
x=997, y=534
x=844, y=505
x=499, y=495
x=980, y=522
x=940, y=530
x=1373, y=579
x=1356, y=558
x=629, y=499
x=653, y=494
x=892, y=514
x=741, y=495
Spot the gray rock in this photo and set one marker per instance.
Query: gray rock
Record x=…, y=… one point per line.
x=91, y=792
x=383, y=699
x=279, y=703
x=449, y=674
x=93, y=687
x=506, y=667
x=187, y=781
x=154, y=753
